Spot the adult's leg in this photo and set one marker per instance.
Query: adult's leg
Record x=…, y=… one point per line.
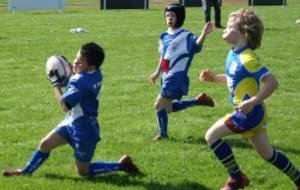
x=215, y=4
x=206, y=6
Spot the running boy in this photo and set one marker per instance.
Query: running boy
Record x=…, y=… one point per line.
x=243, y=74
x=80, y=127
x=177, y=47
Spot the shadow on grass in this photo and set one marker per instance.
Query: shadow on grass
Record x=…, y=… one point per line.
x=182, y=186
x=235, y=142
x=127, y=180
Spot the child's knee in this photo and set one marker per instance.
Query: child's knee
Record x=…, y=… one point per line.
x=209, y=137
x=157, y=105
x=45, y=145
x=266, y=154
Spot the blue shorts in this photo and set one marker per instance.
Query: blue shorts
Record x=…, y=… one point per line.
x=83, y=143
x=247, y=125
x=174, y=86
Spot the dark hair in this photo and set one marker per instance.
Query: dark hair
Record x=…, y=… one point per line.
x=179, y=10
x=93, y=53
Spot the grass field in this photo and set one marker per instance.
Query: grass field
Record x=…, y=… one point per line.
x=28, y=110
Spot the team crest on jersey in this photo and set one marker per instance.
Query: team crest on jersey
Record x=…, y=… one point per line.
x=233, y=67
x=72, y=89
x=174, y=47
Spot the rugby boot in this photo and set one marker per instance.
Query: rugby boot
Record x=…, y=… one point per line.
x=9, y=173
x=205, y=100
x=128, y=166
x=236, y=184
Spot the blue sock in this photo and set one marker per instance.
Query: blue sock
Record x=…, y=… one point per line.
x=35, y=162
x=224, y=153
x=183, y=104
x=162, y=120
x=281, y=162
x=104, y=167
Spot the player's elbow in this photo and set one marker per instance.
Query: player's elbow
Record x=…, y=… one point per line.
x=64, y=106
x=65, y=109
x=271, y=82
x=274, y=84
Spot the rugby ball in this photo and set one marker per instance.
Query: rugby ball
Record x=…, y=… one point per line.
x=59, y=63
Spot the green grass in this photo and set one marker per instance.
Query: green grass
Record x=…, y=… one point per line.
x=289, y=2
x=28, y=110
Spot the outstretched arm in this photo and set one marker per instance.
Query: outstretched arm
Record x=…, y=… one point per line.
x=208, y=28
x=210, y=76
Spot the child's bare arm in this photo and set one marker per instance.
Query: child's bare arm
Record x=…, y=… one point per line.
x=210, y=76
x=208, y=28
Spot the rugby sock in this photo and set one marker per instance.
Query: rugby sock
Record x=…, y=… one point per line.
x=224, y=153
x=162, y=120
x=183, y=104
x=281, y=162
x=35, y=162
x=103, y=167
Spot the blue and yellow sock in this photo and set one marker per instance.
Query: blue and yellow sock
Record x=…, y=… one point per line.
x=280, y=161
x=224, y=153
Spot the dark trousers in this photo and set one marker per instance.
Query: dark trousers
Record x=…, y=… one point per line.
x=207, y=4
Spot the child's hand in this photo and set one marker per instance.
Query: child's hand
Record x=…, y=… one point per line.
x=207, y=75
x=152, y=78
x=246, y=106
x=208, y=28
x=56, y=79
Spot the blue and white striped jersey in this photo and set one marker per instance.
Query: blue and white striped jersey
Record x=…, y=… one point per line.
x=177, y=50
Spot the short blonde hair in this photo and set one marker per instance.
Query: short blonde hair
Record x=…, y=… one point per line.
x=249, y=24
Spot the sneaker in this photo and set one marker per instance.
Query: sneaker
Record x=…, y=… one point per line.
x=205, y=100
x=128, y=165
x=9, y=173
x=159, y=137
x=235, y=184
